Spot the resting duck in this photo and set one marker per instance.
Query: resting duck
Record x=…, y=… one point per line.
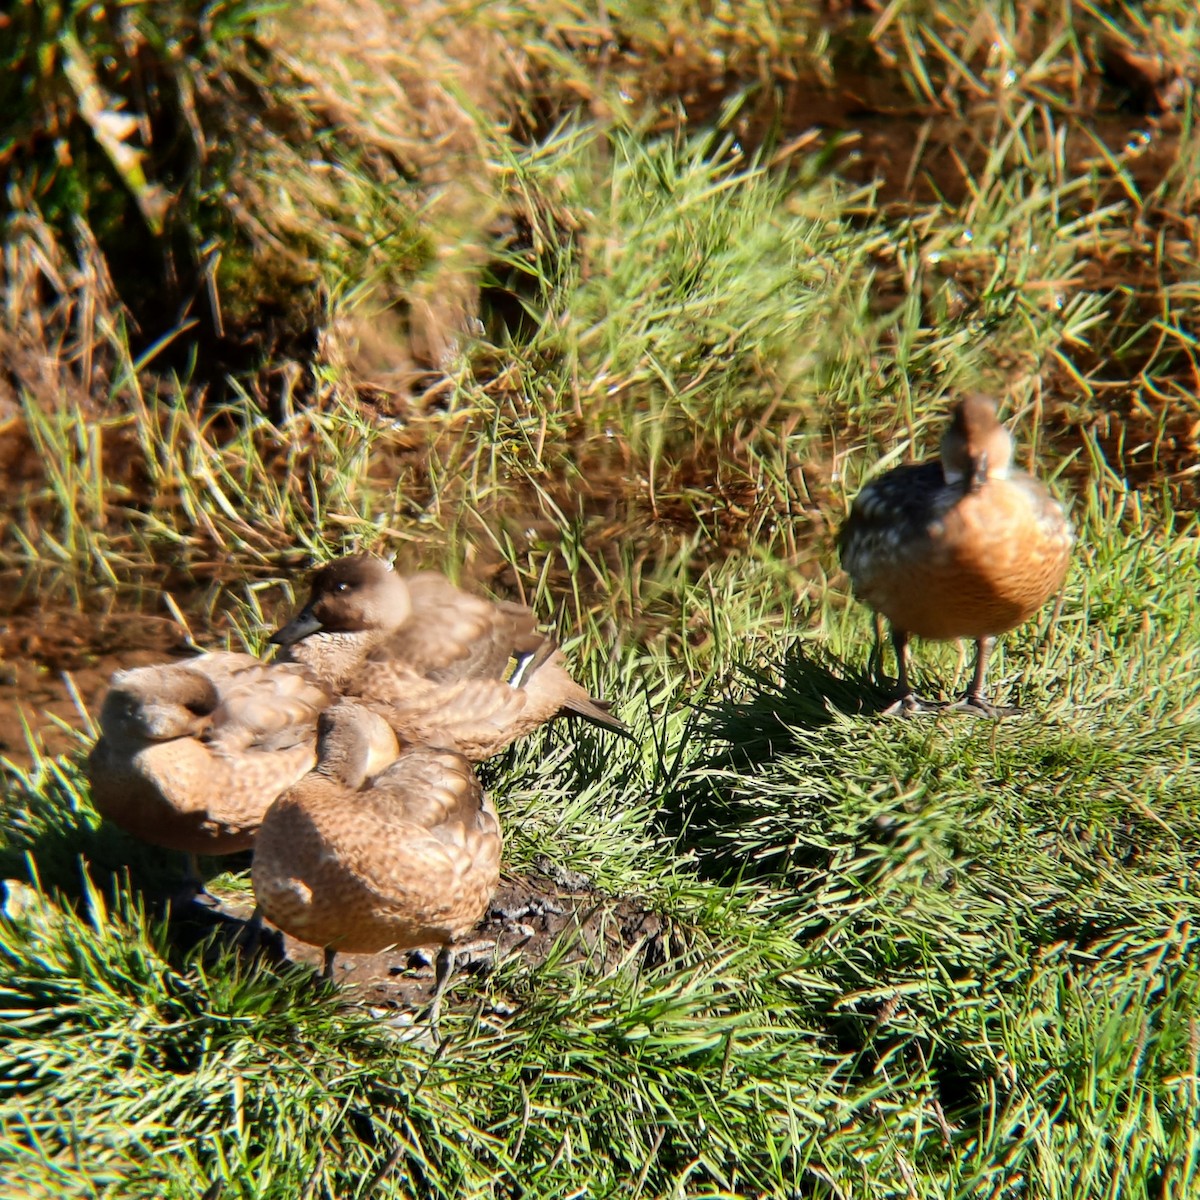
x=191, y=754
x=964, y=546
x=444, y=667
x=378, y=847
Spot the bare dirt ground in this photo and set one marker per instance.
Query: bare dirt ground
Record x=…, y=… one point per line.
x=532, y=916
x=46, y=653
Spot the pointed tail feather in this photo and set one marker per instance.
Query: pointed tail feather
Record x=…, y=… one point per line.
x=595, y=712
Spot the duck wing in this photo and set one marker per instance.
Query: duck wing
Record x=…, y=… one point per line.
x=892, y=515
x=434, y=790
x=266, y=706
x=453, y=635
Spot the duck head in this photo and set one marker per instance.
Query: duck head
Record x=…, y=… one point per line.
x=354, y=744
x=356, y=594
x=157, y=704
x=975, y=446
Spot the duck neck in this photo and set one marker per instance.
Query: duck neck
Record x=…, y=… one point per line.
x=333, y=657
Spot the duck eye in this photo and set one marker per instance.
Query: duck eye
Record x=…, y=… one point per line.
x=341, y=587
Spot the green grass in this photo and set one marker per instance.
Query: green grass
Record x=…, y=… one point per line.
x=618, y=322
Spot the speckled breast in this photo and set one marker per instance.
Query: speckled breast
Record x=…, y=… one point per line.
x=984, y=566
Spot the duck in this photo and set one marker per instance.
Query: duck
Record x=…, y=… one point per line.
x=378, y=846
x=446, y=668
x=191, y=754
x=962, y=546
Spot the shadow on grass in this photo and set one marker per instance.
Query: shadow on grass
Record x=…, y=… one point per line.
x=781, y=712
x=809, y=690
x=56, y=842
x=58, y=847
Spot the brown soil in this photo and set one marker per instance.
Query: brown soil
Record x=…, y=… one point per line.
x=529, y=917
x=55, y=659
x=52, y=659
x=48, y=653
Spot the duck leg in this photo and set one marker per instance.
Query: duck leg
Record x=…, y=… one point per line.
x=191, y=889
x=875, y=662
x=327, y=970
x=445, y=968
x=908, y=703
x=250, y=939
x=256, y=941
x=974, y=700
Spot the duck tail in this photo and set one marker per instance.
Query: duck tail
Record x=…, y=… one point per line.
x=595, y=712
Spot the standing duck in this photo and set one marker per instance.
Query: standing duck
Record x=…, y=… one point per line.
x=964, y=546
x=378, y=847
x=444, y=667
x=191, y=754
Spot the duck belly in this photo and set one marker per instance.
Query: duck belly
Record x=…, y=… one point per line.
x=321, y=883
x=175, y=799
x=984, y=567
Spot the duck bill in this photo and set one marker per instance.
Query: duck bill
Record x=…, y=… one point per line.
x=297, y=629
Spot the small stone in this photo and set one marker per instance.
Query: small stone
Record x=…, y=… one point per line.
x=510, y=914
x=19, y=899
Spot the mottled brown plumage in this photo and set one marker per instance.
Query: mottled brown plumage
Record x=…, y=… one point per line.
x=191, y=754
x=444, y=667
x=371, y=850
x=962, y=546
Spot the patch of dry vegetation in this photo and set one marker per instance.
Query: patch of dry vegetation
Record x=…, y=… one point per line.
x=584, y=302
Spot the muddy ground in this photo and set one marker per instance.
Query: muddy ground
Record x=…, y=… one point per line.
x=532, y=915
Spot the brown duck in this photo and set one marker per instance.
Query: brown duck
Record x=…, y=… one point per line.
x=191, y=754
x=444, y=667
x=963, y=546
x=378, y=847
